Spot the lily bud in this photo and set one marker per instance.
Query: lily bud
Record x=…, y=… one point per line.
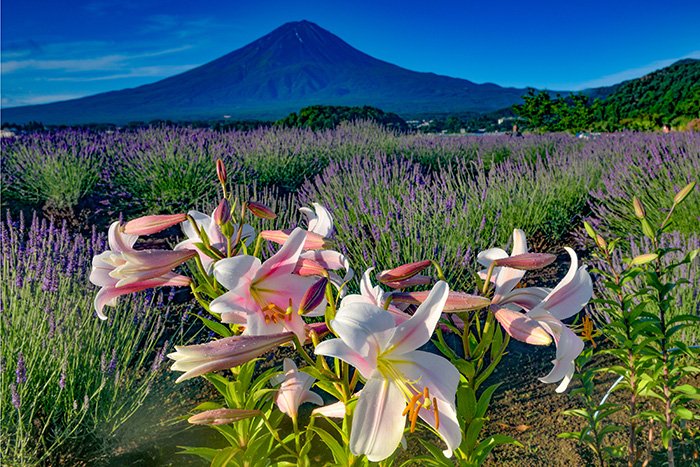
x=522, y=328
x=683, y=194
x=222, y=213
x=456, y=301
x=221, y=171
x=600, y=241
x=638, y=208
x=403, y=272
x=148, y=225
x=527, y=261
x=260, y=210
x=643, y=259
x=314, y=296
x=309, y=267
x=221, y=416
x=313, y=240
x=410, y=282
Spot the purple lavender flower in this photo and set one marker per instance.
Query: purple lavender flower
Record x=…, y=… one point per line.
x=21, y=371
x=16, y=402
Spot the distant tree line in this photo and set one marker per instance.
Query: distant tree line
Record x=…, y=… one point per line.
x=670, y=96
x=319, y=117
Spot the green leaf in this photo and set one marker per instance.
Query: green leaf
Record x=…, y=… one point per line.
x=207, y=406
x=486, y=446
x=666, y=436
x=208, y=454
x=221, y=329
x=484, y=400
x=683, y=413
x=647, y=229
x=337, y=450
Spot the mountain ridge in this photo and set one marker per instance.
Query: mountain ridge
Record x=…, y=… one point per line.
x=295, y=65
x=299, y=64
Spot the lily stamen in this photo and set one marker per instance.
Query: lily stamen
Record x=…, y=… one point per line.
x=437, y=413
x=273, y=313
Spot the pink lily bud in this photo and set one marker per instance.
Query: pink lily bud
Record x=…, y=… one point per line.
x=221, y=416
x=221, y=171
x=260, y=210
x=313, y=241
x=410, y=282
x=403, y=272
x=522, y=328
x=229, y=352
x=309, y=267
x=527, y=261
x=314, y=296
x=148, y=225
x=456, y=301
x=222, y=213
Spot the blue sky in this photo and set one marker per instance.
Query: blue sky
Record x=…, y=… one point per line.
x=56, y=50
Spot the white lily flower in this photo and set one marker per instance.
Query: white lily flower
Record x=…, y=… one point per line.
x=400, y=380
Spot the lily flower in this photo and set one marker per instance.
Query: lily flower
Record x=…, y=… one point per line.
x=319, y=227
x=265, y=296
x=374, y=295
x=319, y=220
x=401, y=382
x=213, y=231
x=294, y=389
x=544, y=308
x=229, y=352
x=123, y=270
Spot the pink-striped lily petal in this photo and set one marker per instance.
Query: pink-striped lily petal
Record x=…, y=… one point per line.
x=147, y=264
x=107, y=295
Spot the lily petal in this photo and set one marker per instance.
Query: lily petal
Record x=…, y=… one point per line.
x=378, y=423
x=419, y=328
x=338, y=349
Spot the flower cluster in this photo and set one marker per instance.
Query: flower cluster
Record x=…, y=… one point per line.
x=380, y=376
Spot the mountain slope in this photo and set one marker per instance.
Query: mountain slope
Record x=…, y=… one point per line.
x=665, y=95
x=296, y=65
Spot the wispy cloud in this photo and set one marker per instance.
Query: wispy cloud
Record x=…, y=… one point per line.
x=102, y=63
x=631, y=73
x=138, y=72
x=42, y=99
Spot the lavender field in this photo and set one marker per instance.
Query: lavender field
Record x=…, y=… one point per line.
x=71, y=382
